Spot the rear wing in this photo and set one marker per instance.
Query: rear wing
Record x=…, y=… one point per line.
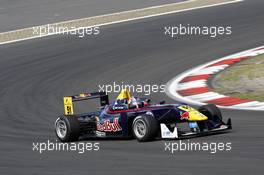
x=68, y=101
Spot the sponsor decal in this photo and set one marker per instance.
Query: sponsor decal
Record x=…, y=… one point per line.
x=185, y=116
x=100, y=134
x=223, y=127
x=115, y=107
x=108, y=126
x=193, y=125
x=68, y=106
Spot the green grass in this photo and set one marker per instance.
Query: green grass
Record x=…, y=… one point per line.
x=243, y=80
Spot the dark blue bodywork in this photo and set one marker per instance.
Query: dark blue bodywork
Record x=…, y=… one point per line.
x=117, y=123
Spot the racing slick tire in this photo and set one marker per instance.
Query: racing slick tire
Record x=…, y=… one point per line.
x=67, y=128
x=212, y=112
x=145, y=128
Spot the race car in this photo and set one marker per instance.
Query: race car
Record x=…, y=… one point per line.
x=144, y=121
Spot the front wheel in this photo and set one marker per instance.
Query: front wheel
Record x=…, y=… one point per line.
x=145, y=128
x=214, y=116
x=67, y=128
x=212, y=112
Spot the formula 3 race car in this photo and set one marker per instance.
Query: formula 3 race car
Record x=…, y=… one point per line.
x=145, y=122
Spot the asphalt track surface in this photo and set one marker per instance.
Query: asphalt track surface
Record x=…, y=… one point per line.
x=35, y=74
x=28, y=13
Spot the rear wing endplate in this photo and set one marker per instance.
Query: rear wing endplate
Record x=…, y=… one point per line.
x=68, y=101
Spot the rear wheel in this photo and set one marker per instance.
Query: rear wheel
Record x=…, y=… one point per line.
x=145, y=128
x=67, y=128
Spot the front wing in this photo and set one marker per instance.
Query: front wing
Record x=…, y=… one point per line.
x=166, y=133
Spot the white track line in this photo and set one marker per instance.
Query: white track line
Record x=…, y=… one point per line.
x=193, y=84
x=211, y=70
x=205, y=96
x=131, y=19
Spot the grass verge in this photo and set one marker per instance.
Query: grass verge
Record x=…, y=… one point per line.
x=244, y=80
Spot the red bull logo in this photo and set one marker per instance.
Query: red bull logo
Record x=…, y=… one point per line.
x=185, y=116
x=108, y=126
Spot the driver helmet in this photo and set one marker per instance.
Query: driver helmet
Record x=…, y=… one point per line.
x=125, y=97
